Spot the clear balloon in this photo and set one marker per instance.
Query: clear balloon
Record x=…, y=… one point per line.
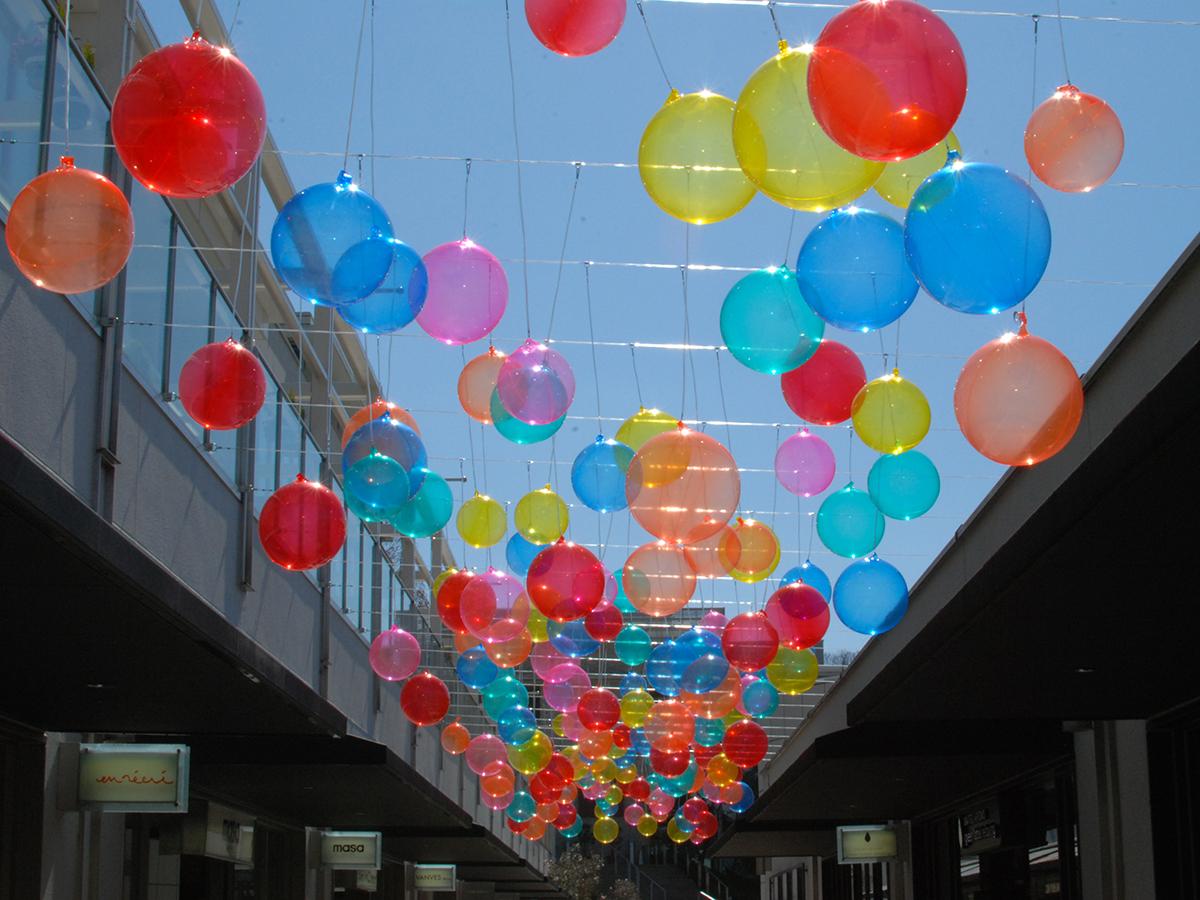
x=467, y=295
x=516, y=725
x=849, y=524
x=598, y=474
x=767, y=324
x=508, y=643
x=424, y=699
x=536, y=384
x=750, y=642
x=682, y=486
x=428, y=511
x=571, y=639
x=822, y=390
x=477, y=383
x=805, y=464
x=481, y=521
x=904, y=486
x=1074, y=141
x=643, y=425
x=521, y=808
x=492, y=598
x=395, y=654
x=566, y=581
x=977, y=237
x=541, y=516
x=793, y=671
x=302, y=525
x=570, y=28
x=887, y=79
x=222, y=385
x=664, y=669
x=890, y=414
x=397, y=301
x=810, y=574
x=901, y=178
x=871, y=596
x=658, y=579
x=70, y=230
x=513, y=429
x=391, y=438
x=751, y=551
x=799, y=614
x=378, y=481
x=502, y=693
x=760, y=699
x=687, y=162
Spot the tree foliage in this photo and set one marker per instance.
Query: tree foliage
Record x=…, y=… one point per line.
x=577, y=875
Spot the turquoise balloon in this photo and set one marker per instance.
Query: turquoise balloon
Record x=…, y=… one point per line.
x=513, y=429
x=522, y=807
x=810, y=574
x=428, y=510
x=633, y=645
x=516, y=725
x=767, y=325
x=709, y=732
x=503, y=693
x=605, y=807
x=475, y=668
x=369, y=513
x=379, y=481
x=849, y=524
x=871, y=596
x=632, y=681
x=760, y=699
x=904, y=486
x=622, y=602
x=681, y=784
x=573, y=830
x=746, y=800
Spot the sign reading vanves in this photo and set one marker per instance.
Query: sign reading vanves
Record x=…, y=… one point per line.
x=134, y=777
x=434, y=878
x=352, y=850
x=866, y=843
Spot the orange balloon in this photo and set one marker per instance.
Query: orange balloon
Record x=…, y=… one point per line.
x=669, y=727
x=705, y=554
x=658, y=579
x=1074, y=141
x=70, y=230
x=1018, y=399
x=595, y=744
x=535, y=830
x=373, y=411
x=722, y=771
x=497, y=779
x=477, y=381
x=682, y=485
x=719, y=702
x=510, y=645
x=465, y=641
x=455, y=738
x=750, y=552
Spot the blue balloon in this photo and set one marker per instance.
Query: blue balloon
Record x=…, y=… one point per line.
x=745, y=801
x=811, y=575
x=571, y=638
x=369, y=513
x=503, y=692
x=378, y=481
x=849, y=524
x=853, y=271
x=871, y=596
x=513, y=429
x=760, y=699
x=704, y=674
x=709, y=732
x=393, y=438
x=633, y=645
x=397, y=301
x=700, y=660
x=520, y=553
x=598, y=474
x=522, y=807
x=605, y=807
x=632, y=681
x=639, y=744
x=663, y=669
x=516, y=725
x=622, y=602
x=681, y=784
x=573, y=830
x=475, y=669
x=977, y=238
x=766, y=323
x=904, y=485
x=331, y=243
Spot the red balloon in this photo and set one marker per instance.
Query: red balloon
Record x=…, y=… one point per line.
x=704, y=755
x=638, y=789
x=604, y=624
x=693, y=808
x=599, y=710
x=517, y=827
x=302, y=525
x=565, y=581
x=490, y=605
x=800, y=615
x=822, y=390
x=750, y=642
x=70, y=230
x=567, y=814
x=449, y=598
x=887, y=79
x=222, y=385
x=575, y=27
x=189, y=120
x=558, y=771
x=705, y=828
x=745, y=743
x=621, y=736
x=542, y=790
x=425, y=699
x=670, y=765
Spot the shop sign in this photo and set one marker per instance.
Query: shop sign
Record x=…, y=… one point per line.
x=351, y=850
x=434, y=878
x=979, y=829
x=866, y=844
x=134, y=778
x=366, y=880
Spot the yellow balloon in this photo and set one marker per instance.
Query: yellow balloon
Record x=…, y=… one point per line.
x=793, y=671
x=782, y=148
x=557, y=725
x=687, y=162
x=722, y=771
x=647, y=825
x=441, y=579
x=537, y=625
x=901, y=179
x=604, y=769
x=732, y=717
x=675, y=834
x=750, y=552
x=481, y=521
x=578, y=767
x=891, y=415
x=626, y=774
x=531, y=757
x=615, y=795
x=634, y=707
x=605, y=830
x=541, y=516
x=615, y=752
x=643, y=425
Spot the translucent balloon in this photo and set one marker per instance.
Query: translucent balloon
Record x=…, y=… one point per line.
x=531, y=757
x=428, y=511
x=395, y=654
x=541, y=516
x=750, y=642
x=1018, y=400
x=481, y=521
x=699, y=660
x=783, y=150
x=658, y=579
x=391, y=438
x=718, y=702
x=745, y=801
x=664, y=668
x=378, y=481
x=811, y=575
x=331, y=243
x=477, y=383
x=634, y=707
x=490, y=598
x=513, y=429
x=508, y=643
x=709, y=732
x=751, y=552
x=566, y=581
x=760, y=699
x=643, y=425
x=222, y=385
x=1074, y=141
x=977, y=237
x=849, y=524
x=632, y=814
x=468, y=292
x=397, y=301
x=805, y=464
x=502, y=693
x=516, y=725
x=425, y=699
x=70, y=230
x=682, y=486
x=521, y=808
x=455, y=738
x=571, y=639
x=570, y=28
x=374, y=410
x=573, y=830
x=890, y=414
x=545, y=659
x=475, y=669
x=604, y=624
x=823, y=389
x=887, y=79
x=497, y=802
x=745, y=744
x=669, y=726
x=633, y=645
x=793, y=671
x=598, y=474
x=189, y=119
x=605, y=830
x=904, y=486
x=722, y=771
x=799, y=614
x=484, y=751
x=871, y=596
x=853, y=271
x=519, y=554
x=676, y=834
x=536, y=384
x=599, y=710
x=767, y=324
x=687, y=162
x=302, y=525
x=647, y=826
x=901, y=178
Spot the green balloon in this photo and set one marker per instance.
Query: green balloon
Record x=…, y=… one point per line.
x=429, y=509
x=633, y=645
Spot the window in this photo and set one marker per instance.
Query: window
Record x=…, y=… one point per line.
x=89, y=115
x=146, y=288
x=266, y=446
x=191, y=313
x=23, y=40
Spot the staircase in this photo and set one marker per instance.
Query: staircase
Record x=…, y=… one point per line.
x=668, y=872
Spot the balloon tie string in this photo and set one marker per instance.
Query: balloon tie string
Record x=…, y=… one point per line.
x=654, y=46
x=470, y=431
x=512, y=82
x=562, y=255
x=1062, y=41
x=683, y=276
x=724, y=409
x=466, y=195
x=1033, y=88
x=371, y=96
x=199, y=16
x=637, y=382
x=882, y=351
x=850, y=453
x=896, y=356
x=587, y=292
x=812, y=529
x=1032, y=107
x=787, y=250
x=774, y=509
x=774, y=19
x=67, y=107
x=552, y=475
x=237, y=9
x=362, y=27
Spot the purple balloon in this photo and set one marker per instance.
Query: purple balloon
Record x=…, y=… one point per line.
x=467, y=293
x=536, y=384
x=564, y=686
x=395, y=654
x=804, y=464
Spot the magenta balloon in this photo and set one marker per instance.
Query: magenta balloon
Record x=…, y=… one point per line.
x=536, y=384
x=566, y=684
x=804, y=464
x=395, y=654
x=545, y=658
x=633, y=814
x=485, y=749
x=467, y=294
x=490, y=597
x=714, y=621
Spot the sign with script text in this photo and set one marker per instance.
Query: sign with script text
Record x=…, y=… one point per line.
x=434, y=878
x=134, y=777
x=352, y=850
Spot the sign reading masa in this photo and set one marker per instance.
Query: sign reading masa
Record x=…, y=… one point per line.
x=352, y=850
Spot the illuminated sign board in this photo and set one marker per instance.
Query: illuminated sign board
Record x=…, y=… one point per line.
x=866, y=844
x=434, y=878
x=352, y=850
x=133, y=778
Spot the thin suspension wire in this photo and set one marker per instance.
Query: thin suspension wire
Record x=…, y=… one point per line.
x=466, y=195
x=587, y=291
x=371, y=97
x=562, y=256
x=774, y=19
x=362, y=27
x=512, y=81
x=70, y=56
x=233, y=23
x=637, y=382
x=787, y=250
x=1062, y=41
x=654, y=46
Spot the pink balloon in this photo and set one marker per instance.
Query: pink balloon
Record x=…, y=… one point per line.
x=536, y=384
x=545, y=659
x=489, y=598
x=714, y=621
x=500, y=802
x=565, y=685
x=395, y=654
x=805, y=464
x=575, y=28
x=484, y=750
x=633, y=815
x=468, y=292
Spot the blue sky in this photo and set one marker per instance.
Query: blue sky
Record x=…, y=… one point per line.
x=441, y=88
